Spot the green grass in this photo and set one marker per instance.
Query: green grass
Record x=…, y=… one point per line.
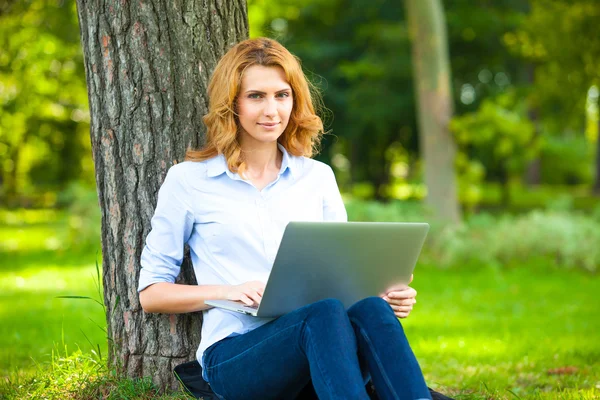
x=32, y=276
x=479, y=332
x=504, y=332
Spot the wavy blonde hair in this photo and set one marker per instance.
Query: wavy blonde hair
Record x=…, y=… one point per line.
x=304, y=130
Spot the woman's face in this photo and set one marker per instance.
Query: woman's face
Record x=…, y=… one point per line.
x=264, y=105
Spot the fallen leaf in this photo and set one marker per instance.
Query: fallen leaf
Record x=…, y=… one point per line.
x=563, y=371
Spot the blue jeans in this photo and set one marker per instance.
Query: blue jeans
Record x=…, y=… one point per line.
x=323, y=343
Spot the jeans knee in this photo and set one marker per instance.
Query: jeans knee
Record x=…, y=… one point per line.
x=328, y=312
x=328, y=307
x=371, y=303
x=371, y=308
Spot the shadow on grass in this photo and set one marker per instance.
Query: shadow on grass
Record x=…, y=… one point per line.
x=14, y=261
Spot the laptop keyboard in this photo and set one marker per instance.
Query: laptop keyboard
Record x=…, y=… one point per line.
x=254, y=307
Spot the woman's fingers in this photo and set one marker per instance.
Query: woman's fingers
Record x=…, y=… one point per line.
x=402, y=308
x=254, y=295
x=249, y=293
x=402, y=302
x=402, y=311
x=407, y=293
x=246, y=299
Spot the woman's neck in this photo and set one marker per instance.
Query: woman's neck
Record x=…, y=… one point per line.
x=262, y=159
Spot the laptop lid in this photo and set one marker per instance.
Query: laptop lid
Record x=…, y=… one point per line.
x=348, y=261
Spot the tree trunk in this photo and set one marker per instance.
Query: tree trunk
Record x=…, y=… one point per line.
x=533, y=173
x=11, y=189
x=147, y=67
x=431, y=68
x=597, y=179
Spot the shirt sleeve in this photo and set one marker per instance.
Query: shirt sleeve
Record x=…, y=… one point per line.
x=172, y=225
x=333, y=205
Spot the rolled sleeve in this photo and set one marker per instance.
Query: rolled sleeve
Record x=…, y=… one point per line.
x=333, y=205
x=172, y=225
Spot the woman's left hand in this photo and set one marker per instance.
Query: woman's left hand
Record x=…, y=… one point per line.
x=401, y=299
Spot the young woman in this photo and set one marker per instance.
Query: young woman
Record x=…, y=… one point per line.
x=230, y=202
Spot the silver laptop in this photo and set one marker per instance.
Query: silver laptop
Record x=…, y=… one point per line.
x=348, y=261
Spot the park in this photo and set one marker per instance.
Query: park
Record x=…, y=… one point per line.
x=481, y=119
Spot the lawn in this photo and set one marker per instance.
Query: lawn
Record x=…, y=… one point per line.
x=527, y=331
x=33, y=273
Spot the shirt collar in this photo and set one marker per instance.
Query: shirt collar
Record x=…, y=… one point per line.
x=218, y=165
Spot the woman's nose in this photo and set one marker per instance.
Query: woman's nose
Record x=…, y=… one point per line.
x=270, y=108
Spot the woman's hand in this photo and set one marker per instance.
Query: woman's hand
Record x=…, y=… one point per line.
x=401, y=299
x=249, y=293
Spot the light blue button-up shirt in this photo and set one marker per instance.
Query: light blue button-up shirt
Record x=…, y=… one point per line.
x=233, y=229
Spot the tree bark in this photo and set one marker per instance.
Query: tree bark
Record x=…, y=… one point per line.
x=147, y=68
x=431, y=68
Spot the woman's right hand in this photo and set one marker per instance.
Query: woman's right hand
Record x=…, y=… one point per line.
x=249, y=293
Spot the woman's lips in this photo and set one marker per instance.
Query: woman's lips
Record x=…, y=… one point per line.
x=269, y=125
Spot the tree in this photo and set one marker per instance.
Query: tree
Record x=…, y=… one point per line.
x=147, y=68
x=500, y=133
x=43, y=104
x=562, y=39
x=427, y=29
x=358, y=55
x=362, y=55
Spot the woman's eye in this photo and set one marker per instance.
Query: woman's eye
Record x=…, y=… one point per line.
x=284, y=94
x=254, y=96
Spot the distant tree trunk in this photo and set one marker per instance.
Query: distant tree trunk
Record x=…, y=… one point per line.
x=597, y=182
x=147, y=66
x=533, y=173
x=503, y=177
x=534, y=168
x=11, y=189
x=431, y=67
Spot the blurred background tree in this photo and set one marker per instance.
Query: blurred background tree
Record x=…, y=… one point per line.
x=44, y=129
x=499, y=135
x=562, y=41
x=543, y=52
x=431, y=71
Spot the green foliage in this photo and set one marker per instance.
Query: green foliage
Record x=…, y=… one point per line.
x=561, y=239
x=562, y=39
x=482, y=66
x=499, y=134
x=44, y=124
x=358, y=54
x=496, y=141
x=363, y=60
x=523, y=199
x=84, y=218
x=373, y=211
x=566, y=160
x=556, y=237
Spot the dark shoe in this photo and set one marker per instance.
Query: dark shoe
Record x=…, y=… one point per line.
x=438, y=396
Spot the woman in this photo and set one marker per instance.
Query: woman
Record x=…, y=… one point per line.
x=230, y=201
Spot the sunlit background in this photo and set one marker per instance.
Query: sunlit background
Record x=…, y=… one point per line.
x=525, y=77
